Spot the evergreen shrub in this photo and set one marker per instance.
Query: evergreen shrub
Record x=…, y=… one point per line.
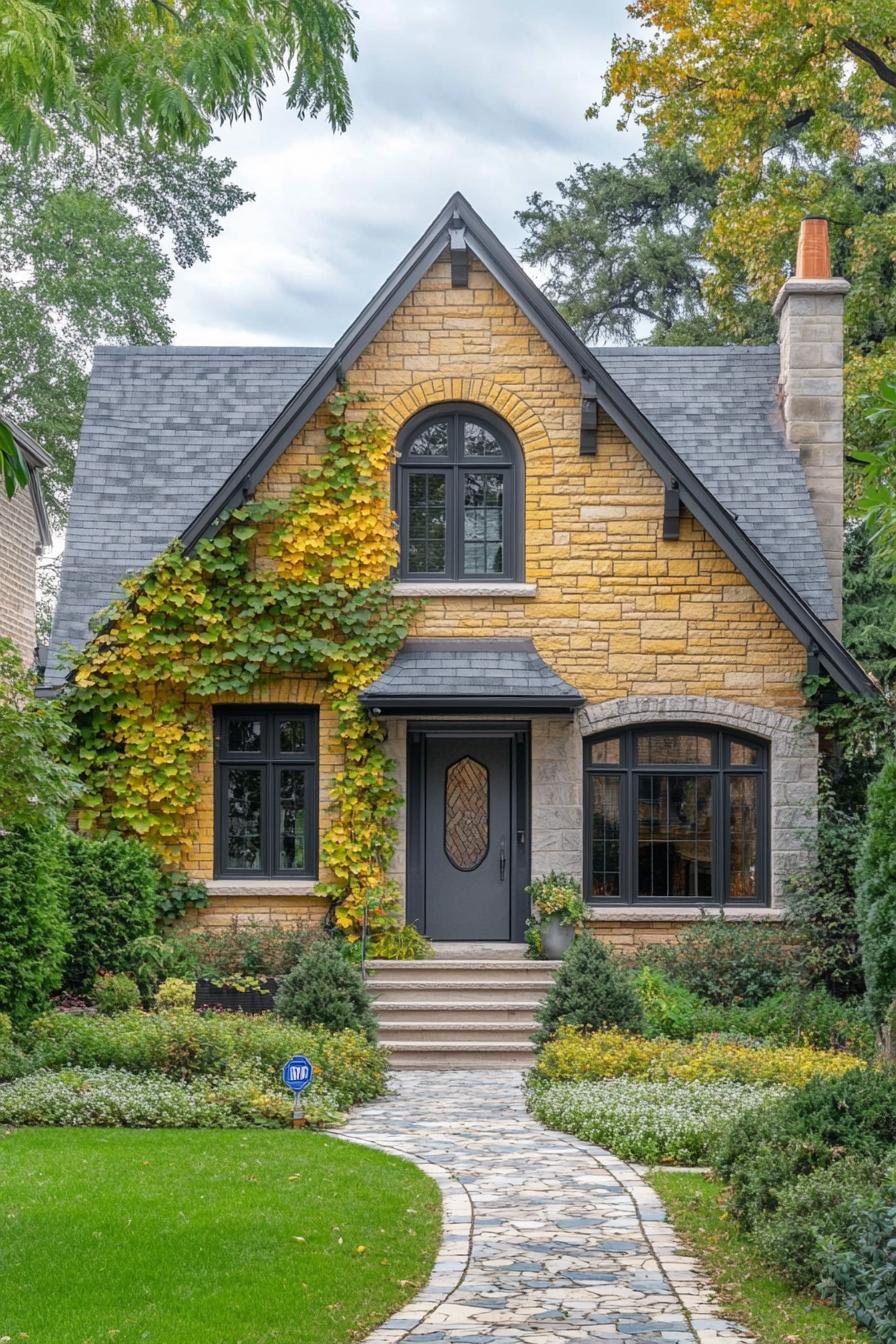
x=813, y=1210
x=876, y=895
x=592, y=988
x=860, y=1275
x=111, y=884
x=816, y=1126
x=34, y=930
x=324, y=989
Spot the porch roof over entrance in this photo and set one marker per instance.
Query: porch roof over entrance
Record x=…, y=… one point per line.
x=465, y=675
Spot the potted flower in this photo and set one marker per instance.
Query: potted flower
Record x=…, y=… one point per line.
x=557, y=913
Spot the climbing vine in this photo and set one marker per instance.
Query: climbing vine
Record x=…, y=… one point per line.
x=296, y=586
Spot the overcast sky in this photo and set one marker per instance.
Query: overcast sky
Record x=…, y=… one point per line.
x=483, y=96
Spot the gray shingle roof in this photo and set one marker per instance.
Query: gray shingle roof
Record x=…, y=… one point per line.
x=166, y=425
x=717, y=407
x=508, y=671
x=163, y=428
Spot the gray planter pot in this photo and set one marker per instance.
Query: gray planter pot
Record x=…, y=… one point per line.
x=556, y=937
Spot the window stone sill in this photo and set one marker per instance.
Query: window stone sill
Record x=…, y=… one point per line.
x=484, y=589
x=261, y=886
x=677, y=914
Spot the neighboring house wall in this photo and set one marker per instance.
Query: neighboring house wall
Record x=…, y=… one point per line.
x=19, y=539
x=616, y=610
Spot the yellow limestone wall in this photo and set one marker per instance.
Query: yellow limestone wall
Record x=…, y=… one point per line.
x=618, y=611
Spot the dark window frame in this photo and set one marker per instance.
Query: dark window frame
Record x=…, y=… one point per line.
x=453, y=466
x=720, y=771
x=271, y=761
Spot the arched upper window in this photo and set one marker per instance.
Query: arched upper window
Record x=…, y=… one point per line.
x=676, y=813
x=459, y=497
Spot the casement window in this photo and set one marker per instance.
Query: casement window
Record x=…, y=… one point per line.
x=676, y=814
x=265, y=791
x=459, y=497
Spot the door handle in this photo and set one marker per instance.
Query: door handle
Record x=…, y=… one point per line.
x=502, y=860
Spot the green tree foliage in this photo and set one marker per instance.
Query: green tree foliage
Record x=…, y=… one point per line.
x=869, y=601
x=33, y=926
x=85, y=240
x=324, y=989
x=34, y=784
x=821, y=900
x=167, y=69
x=876, y=895
x=591, y=989
x=110, y=887
x=622, y=250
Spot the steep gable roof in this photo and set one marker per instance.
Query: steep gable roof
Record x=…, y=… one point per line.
x=234, y=434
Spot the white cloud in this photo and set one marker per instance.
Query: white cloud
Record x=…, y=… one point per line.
x=484, y=96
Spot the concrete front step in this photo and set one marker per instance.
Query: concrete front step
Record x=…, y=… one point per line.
x=460, y=1033
x=480, y=951
x=509, y=992
x=426, y=1010
x=432, y=1054
x=457, y=1012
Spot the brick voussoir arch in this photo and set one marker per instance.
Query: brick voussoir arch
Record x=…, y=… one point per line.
x=793, y=769
x=480, y=391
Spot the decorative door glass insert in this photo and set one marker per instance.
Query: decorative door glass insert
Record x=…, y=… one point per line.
x=466, y=813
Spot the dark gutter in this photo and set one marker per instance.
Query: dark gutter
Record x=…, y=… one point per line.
x=464, y=704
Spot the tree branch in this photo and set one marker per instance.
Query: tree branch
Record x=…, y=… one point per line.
x=877, y=63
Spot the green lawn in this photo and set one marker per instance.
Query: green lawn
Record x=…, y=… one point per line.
x=206, y=1236
x=775, y=1312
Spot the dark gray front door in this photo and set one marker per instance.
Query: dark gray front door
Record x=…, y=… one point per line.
x=468, y=839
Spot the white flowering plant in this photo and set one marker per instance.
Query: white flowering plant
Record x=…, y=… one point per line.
x=667, y=1122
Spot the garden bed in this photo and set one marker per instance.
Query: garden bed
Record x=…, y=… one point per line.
x=211, y=1238
x=747, y=1290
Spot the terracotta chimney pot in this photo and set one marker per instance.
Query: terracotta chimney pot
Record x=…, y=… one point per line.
x=813, y=253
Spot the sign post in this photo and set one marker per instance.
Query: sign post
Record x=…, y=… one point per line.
x=298, y=1073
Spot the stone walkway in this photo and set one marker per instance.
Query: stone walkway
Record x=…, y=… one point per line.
x=546, y=1239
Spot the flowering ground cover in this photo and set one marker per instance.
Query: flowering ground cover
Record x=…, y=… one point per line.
x=642, y=1121
x=204, y=1237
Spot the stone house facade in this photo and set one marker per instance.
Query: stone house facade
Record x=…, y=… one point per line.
x=626, y=561
x=24, y=532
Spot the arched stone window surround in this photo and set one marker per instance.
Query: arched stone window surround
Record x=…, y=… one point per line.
x=793, y=759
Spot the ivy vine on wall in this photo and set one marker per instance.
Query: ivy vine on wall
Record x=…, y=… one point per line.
x=298, y=587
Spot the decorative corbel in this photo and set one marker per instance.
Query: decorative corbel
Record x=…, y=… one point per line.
x=671, y=511
x=588, y=427
x=460, y=257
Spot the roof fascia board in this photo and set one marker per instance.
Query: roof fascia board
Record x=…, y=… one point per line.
x=445, y=704
x=45, y=532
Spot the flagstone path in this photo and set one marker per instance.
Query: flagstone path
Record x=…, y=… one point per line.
x=546, y=1239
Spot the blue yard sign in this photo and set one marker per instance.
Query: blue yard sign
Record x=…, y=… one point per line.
x=298, y=1073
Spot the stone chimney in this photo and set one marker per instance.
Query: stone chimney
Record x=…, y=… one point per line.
x=809, y=309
